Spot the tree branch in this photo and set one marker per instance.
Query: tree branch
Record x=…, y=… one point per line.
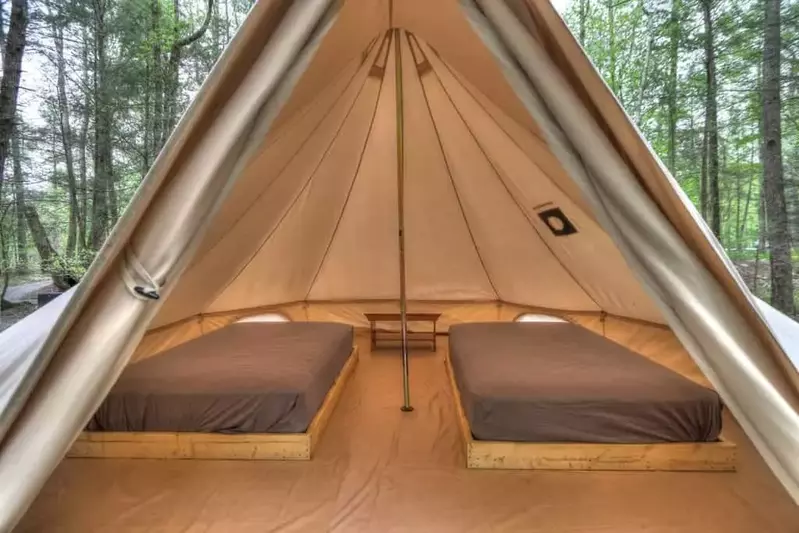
x=200, y=31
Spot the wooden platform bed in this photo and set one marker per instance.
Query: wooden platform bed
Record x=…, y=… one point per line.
x=215, y=445
x=715, y=456
x=252, y=446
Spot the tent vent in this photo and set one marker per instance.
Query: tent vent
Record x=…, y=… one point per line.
x=556, y=221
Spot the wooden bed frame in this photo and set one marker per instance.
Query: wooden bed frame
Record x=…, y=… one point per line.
x=717, y=456
x=248, y=446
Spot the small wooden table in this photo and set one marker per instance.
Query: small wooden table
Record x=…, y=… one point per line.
x=427, y=336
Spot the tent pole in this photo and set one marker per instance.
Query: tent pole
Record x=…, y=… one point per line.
x=406, y=391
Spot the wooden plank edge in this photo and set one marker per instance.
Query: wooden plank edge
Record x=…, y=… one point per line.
x=192, y=445
x=322, y=417
x=720, y=456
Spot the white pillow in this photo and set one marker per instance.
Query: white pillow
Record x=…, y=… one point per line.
x=266, y=317
x=532, y=317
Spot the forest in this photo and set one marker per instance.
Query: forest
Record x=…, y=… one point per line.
x=91, y=90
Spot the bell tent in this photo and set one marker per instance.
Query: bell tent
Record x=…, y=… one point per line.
x=343, y=157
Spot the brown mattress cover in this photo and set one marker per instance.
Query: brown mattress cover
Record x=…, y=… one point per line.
x=556, y=382
x=244, y=378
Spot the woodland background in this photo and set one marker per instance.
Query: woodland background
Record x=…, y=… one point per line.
x=91, y=89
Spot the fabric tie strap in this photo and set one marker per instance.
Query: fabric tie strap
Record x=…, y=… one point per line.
x=132, y=270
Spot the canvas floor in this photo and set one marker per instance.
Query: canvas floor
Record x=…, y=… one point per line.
x=378, y=469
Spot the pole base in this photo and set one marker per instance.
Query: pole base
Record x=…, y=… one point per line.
x=406, y=408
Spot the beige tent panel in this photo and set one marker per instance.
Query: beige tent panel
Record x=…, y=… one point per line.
x=441, y=24
x=474, y=232
x=518, y=262
x=160, y=340
x=285, y=265
x=608, y=281
x=529, y=142
x=442, y=259
x=293, y=168
x=363, y=261
x=279, y=148
x=654, y=342
x=359, y=27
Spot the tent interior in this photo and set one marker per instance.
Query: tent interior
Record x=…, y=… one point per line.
x=379, y=469
x=403, y=124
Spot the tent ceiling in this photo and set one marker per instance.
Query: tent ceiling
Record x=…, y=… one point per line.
x=314, y=217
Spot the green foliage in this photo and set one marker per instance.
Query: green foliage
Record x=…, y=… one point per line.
x=634, y=36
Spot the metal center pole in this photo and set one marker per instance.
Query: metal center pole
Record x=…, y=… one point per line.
x=406, y=391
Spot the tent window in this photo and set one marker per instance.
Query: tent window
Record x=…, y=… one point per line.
x=557, y=222
x=267, y=317
x=533, y=317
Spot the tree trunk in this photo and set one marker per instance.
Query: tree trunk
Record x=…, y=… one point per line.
x=5, y=264
x=713, y=208
x=156, y=84
x=102, y=131
x=611, y=6
x=644, y=82
x=66, y=132
x=113, y=202
x=83, y=142
x=584, y=7
x=227, y=21
x=773, y=181
x=51, y=262
x=215, y=31
x=671, y=87
x=171, y=79
x=762, y=236
x=19, y=203
x=745, y=215
x=12, y=72
x=147, y=120
x=703, y=188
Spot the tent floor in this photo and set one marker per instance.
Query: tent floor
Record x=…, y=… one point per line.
x=378, y=469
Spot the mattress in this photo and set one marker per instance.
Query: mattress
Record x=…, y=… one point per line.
x=244, y=378
x=539, y=382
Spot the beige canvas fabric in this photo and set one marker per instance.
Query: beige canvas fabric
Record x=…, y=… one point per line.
x=314, y=217
x=279, y=190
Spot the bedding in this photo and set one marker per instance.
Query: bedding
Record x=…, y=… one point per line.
x=559, y=382
x=250, y=377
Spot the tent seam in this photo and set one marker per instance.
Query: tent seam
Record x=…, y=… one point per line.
x=452, y=182
x=290, y=160
x=460, y=79
x=281, y=132
x=349, y=192
x=516, y=202
x=298, y=195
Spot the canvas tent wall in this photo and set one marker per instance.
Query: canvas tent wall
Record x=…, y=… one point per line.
x=279, y=187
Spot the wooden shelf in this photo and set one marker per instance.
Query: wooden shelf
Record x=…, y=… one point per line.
x=377, y=334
